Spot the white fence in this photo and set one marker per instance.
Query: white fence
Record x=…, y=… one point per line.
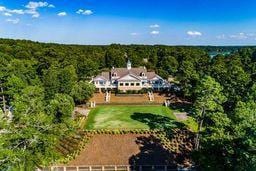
x=115, y=168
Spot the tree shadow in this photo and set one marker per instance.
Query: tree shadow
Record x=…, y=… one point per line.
x=151, y=153
x=155, y=121
x=183, y=107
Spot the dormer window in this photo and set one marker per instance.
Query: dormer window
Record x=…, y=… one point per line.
x=114, y=74
x=142, y=74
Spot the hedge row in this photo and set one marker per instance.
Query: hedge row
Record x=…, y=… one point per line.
x=125, y=131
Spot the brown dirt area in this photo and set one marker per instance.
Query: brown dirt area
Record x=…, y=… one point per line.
x=126, y=149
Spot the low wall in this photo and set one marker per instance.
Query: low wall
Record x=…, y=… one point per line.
x=129, y=95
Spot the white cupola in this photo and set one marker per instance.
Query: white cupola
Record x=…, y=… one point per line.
x=129, y=64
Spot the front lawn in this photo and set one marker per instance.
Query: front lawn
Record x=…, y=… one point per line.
x=131, y=117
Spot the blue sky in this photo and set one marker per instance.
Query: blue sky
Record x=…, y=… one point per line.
x=171, y=22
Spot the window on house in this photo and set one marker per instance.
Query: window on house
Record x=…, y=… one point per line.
x=102, y=82
x=121, y=84
x=126, y=84
x=137, y=84
x=132, y=84
x=114, y=74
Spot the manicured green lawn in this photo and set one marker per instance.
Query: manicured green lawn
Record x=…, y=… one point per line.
x=129, y=117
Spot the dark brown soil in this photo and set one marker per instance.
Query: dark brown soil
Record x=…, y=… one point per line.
x=126, y=149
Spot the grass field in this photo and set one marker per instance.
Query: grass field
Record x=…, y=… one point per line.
x=130, y=117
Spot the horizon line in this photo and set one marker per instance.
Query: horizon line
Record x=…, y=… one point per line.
x=123, y=44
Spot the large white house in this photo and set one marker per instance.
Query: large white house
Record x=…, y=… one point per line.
x=129, y=79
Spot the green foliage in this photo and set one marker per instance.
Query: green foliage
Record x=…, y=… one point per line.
x=82, y=90
x=209, y=95
x=245, y=135
x=51, y=82
x=14, y=85
x=61, y=107
x=115, y=57
x=231, y=75
x=29, y=101
x=87, y=68
x=67, y=79
x=25, y=70
x=29, y=139
x=228, y=142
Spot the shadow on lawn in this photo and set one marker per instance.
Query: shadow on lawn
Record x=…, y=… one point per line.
x=158, y=122
x=183, y=107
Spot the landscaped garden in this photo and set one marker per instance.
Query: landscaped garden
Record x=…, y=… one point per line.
x=134, y=130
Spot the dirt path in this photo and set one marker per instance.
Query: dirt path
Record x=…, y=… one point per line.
x=181, y=115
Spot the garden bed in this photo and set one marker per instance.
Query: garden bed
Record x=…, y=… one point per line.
x=134, y=147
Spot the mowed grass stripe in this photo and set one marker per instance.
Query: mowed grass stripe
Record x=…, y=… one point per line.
x=120, y=117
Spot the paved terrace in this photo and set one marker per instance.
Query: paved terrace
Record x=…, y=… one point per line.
x=99, y=98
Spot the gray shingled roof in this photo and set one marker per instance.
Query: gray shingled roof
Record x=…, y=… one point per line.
x=103, y=75
x=121, y=72
x=124, y=71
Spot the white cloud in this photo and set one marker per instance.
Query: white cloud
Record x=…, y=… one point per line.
x=7, y=14
x=80, y=11
x=36, y=15
x=31, y=8
x=51, y=6
x=154, y=26
x=154, y=32
x=13, y=11
x=134, y=34
x=62, y=14
x=2, y=8
x=84, y=12
x=194, y=33
x=239, y=36
x=222, y=36
x=16, y=11
x=13, y=21
x=33, y=13
x=88, y=12
x=35, y=5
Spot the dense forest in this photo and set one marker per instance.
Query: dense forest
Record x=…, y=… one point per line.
x=41, y=83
